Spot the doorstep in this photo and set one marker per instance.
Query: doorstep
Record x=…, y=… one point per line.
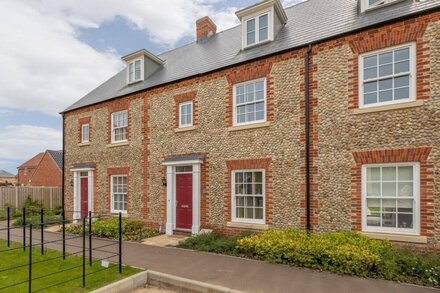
x=164, y=240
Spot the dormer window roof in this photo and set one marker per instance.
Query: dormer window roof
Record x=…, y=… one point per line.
x=261, y=22
x=367, y=5
x=140, y=65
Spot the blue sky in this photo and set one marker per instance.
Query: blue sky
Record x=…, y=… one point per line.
x=54, y=52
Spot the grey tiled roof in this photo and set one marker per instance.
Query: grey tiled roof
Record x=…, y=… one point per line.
x=6, y=174
x=308, y=22
x=57, y=157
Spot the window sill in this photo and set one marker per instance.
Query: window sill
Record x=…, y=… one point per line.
x=397, y=237
x=117, y=144
x=81, y=144
x=116, y=213
x=249, y=126
x=247, y=226
x=183, y=129
x=417, y=103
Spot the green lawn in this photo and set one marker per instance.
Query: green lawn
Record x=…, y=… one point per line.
x=18, y=257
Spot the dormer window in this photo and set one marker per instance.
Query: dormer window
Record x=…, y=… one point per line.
x=140, y=65
x=367, y=5
x=257, y=29
x=261, y=22
x=135, y=71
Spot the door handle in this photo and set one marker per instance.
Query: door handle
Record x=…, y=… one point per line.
x=185, y=206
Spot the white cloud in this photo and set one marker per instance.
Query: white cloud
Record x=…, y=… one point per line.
x=45, y=67
x=25, y=141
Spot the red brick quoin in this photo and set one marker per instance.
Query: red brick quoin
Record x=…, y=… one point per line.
x=186, y=97
x=396, y=156
x=118, y=171
x=245, y=165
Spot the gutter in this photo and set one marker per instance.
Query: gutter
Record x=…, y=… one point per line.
x=307, y=132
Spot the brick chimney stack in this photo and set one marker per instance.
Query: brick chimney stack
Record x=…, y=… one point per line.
x=205, y=28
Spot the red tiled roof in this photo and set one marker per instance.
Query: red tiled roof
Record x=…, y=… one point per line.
x=33, y=162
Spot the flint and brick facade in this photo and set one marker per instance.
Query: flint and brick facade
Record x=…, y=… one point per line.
x=343, y=136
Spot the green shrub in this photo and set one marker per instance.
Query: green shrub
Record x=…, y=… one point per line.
x=212, y=242
x=109, y=228
x=48, y=219
x=343, y=252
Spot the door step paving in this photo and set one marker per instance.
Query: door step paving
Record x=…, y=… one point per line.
x=164, y=240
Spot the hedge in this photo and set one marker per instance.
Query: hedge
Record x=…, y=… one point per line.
x=347, y=253
x=109, y=228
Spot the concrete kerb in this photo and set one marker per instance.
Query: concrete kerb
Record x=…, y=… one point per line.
x=165, y=281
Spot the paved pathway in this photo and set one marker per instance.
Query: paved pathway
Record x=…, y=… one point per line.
x=235, y=273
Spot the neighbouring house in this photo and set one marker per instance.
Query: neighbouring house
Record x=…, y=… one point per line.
x=322, y=116
x=7, y=178
x=45, y=169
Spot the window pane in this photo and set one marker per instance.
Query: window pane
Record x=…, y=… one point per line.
x=373, y=212
x=405, y=221
x=406, y=173
x=401, y=67
x=389, y=220
x=259, y=213
x=402, y=54
x=370, y=98
x=250, y=38
x=389, y=189
x=240, y=212
x=250, y=31
x=386, y=96
x=263, y=34
x=402, y=81
x=259, y=201
x=370, y=87
x=389, y=205
x=389, y=173
x=386, y=84
x=406, y=189
x=373, y=174
x=385, y=58
x=137, y=70
x=402, y=93
x=385, y=70
x=370, y=61
x=373, y=189
x=405, y=206
x=370, y=73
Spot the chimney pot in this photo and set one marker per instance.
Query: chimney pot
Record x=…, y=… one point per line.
x=205, y=28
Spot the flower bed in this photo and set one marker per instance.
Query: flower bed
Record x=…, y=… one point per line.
x=109, y=228
x=341, y=252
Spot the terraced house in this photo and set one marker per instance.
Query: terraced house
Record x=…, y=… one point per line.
x=322, y=116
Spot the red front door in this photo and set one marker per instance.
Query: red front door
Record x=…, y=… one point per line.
x=84, y=197
x=184, y=201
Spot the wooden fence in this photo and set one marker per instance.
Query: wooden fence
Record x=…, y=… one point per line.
x=49, y=197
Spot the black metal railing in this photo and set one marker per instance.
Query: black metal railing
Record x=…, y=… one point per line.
x=29, y=241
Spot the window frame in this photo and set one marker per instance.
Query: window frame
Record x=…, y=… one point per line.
x=365, y=6
x=233, y=195
x=133, y=62
x=112, y=209
x=113, y=128
x=256, y=16
x=416, y=200
x=180, y=114
x=82, y=133
x=412, y=75
x=234, y=102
